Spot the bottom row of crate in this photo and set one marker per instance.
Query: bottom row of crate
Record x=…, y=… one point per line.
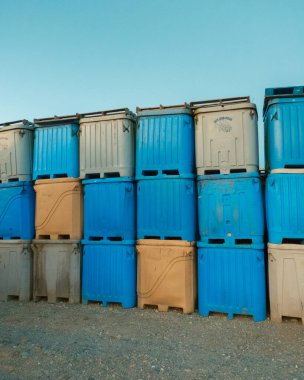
x=229, y=280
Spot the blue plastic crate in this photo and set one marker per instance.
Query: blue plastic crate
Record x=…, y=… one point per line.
x=165, y=142
x=56, y=151
x=17, y=210
x=166, y=209
x=109, y=209
x=285, y=207
x=284, y=137
x=230, y=209
x=109, y=273
x=232, y=280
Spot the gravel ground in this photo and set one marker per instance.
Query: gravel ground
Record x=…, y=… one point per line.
x=65, y=341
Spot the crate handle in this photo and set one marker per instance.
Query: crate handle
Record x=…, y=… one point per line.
x=220, y=102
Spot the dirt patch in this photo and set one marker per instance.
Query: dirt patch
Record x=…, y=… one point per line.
x=65, y=341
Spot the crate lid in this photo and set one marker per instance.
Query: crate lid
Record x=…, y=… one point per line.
x=233, y=247
x=18, y=124
x=273, y=248
x=114, y=114
x=228, y=176
x=57, y=120
x=3, y=243
x=56, y=180
x=55, y=242
x=287, y=171
x=164, y=110
x=108, y=242
x=107, y=180
x=16, y=184
x=158, y=242
x=227, y=104
x=269, y=102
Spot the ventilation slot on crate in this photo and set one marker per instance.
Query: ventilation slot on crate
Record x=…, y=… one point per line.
x=238, y=171
x=149, y=173
x=292, y=241
x=243, y=241
x=294, y=166
x=210, y=172
x=172, y=238
x=64, y=175
x=115, y=238
x=170, y=172
x=216, y=241
x=283, y=91
x=112, y=175
x=95, y=238
x=64, y=237
x=92, y=176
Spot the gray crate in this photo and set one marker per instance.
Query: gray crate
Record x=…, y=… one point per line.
x=107, y=144
x=15, y=270
x=226, y=136
x=16, y=151
x=57, y=270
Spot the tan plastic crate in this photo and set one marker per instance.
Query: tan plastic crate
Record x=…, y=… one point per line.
x=59, y=209
x=286, y=281
x=166, y=274
x=226, y=136
x=57, y=270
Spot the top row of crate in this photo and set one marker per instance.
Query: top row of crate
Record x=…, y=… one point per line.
x=206, y=137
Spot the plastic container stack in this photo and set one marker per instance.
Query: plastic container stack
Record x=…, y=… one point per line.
x=59, y=210
x=284, y=147
x=17, y=210
x=107, y=164
x=231, y=271
x=166, y=208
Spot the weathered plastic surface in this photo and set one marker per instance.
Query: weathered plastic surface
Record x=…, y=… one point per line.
x=166, y=209
x=56, y=150
x=17, y=210
x=232, y=280
x=231, y=209
x=109, y=209
x=166, y=274
x=59, y=209
x=226, y=138
x=57, y=270
x=107, y=145
x=285, y=206
x=165, y=142
x=284, y=138
x=16, y=267
x=109, y=273
x=16, y=151
x=286, y=281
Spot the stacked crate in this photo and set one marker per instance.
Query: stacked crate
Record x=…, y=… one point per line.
x=17, y=209
x=231, y=272
x=107, y=160
x=59, y=210
x=166, y=208
x=284, y=137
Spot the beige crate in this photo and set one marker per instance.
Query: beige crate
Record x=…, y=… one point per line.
x=286, y=281
x=59, y=209
x=166, y=274
x=57, y=270
x=15, y=270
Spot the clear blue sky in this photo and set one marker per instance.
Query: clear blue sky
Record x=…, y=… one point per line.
x=67, y=56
